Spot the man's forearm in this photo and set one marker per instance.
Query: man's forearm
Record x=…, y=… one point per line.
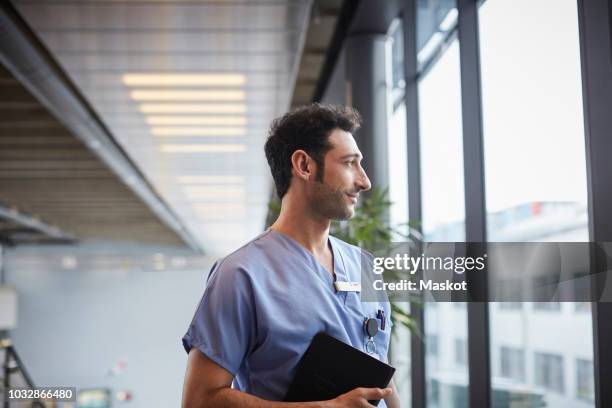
x=231, y=398
x=393, y=400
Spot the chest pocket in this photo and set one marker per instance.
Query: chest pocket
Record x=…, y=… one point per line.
x=368, y=310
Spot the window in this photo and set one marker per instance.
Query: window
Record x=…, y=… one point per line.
x=442, y=150
x=431, y=346
x=512, y=363
x=535, y=181
x=398, y=168
x=442, y=195
x=532, y=101
x=581, y=307
x=510, y=305
x=547, y=306
x=398, y=189
x=398, y=81
x=585, y=383
x=396, y=138
x=549, y=371
x=461, y=352
x=436, y=21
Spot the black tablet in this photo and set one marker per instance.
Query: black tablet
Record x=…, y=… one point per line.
x=330, y=368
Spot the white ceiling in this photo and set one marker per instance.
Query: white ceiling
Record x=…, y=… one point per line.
x=104, y=46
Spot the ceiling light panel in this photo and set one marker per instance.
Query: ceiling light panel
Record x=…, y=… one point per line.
x=203, y=148
x=255, y=81
x=220, y=216
x=197, y=131
x=218, y=207
x=212, y=211
x=214, y=193
x=196, y=120
x=214, y=189
x=168, y=79
x=192, y=108
x=208, y=95
x=211, y=179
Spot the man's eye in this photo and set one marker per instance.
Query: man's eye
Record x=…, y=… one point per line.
x=349, y=163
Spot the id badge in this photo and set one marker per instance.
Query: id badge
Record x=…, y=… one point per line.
x=347, y=286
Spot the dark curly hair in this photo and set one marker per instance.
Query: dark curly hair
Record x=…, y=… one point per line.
x=305, y=128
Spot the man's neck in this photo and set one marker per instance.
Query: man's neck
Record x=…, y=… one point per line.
x=297, y=221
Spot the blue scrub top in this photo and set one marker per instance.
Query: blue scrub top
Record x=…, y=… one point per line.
x=265, y=302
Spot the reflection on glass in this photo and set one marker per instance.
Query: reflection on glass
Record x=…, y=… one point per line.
x=446, y=368
x=512, y=363
x=398, y=168
x=398, y=80
x=436, y=21
x=541, y=353
x=548, y=372
x=585, y=384
x=397, y=144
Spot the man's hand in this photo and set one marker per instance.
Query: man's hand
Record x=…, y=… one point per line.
x=359, y=397
x=207, y=385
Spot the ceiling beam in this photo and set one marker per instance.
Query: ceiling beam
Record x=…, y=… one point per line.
x=32, y=223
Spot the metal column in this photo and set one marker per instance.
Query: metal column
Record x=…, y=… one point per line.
x=368, y=94
x=475, y=207
x=595, y=22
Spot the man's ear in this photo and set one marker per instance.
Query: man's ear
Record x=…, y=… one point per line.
x=302, y=165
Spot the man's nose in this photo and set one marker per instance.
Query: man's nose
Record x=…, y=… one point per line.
x=363, y=182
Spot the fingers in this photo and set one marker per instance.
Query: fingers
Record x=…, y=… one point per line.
x=359, y=397
x=375, y=393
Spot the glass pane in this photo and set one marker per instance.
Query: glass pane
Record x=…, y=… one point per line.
x=398, y=214
x=443, y=204
x=396, y=144
x=436, y=20
x=398, y=168
x=442, y=150
x=541, y=353
x=398, y=195
x=398, y=80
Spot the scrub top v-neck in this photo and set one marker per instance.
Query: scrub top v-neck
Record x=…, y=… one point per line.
x=265, y=302
x=328, y=277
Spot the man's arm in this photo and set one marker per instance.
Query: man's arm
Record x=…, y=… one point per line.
x=208, y=385
x=392, y=400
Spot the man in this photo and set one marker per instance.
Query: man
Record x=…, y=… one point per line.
x=264, y=303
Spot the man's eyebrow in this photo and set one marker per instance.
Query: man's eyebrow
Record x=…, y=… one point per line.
x=351, y=156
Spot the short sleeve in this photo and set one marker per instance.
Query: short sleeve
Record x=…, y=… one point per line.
x=223, y=327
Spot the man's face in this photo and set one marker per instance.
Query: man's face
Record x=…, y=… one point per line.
x=335, y=195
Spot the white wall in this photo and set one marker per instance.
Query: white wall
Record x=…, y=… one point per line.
x=74, y=325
